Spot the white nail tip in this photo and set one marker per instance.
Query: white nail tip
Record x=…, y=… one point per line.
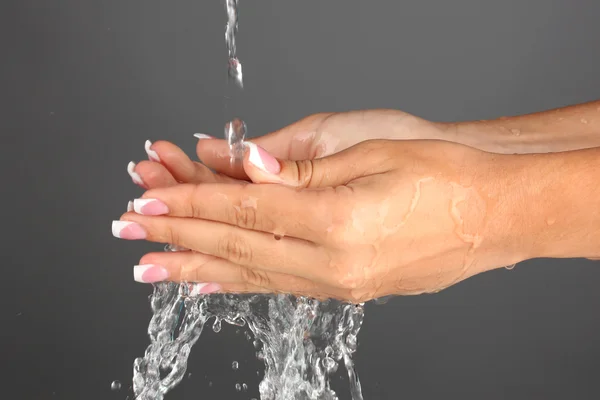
x=196, y=288
x=254, y=157
x=130, y=206
x=138, y=204
x=152, y=155
x=202, y=136
x=134, y=175
x=138, y=272
x=118, y=226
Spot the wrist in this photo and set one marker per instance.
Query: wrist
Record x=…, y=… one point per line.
x=552, y=204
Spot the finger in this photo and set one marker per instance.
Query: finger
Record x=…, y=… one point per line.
x=294, y=142
x=180, y=166
x=248, y=248
x=364, y=159
x=206, y=269
x=274, y=209
x=154, y=175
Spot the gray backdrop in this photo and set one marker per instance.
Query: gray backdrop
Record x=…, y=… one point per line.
x=85, y=82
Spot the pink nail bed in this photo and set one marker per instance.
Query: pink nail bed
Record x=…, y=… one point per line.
x=150, y=207
x=149, y=273
x=128, y=230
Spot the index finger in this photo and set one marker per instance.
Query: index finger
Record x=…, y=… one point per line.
x=271, y=208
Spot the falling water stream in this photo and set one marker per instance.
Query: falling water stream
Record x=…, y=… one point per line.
x=301, y=341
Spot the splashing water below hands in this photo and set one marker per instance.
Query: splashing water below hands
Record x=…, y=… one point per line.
x=303, y=341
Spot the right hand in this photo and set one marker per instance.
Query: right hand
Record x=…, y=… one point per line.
x=316, y=136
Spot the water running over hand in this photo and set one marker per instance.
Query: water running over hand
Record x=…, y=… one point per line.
x=302, y=341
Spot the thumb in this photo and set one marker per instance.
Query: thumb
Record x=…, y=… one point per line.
x=363, y=159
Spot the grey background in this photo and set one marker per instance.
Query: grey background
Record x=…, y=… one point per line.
x=85, y=82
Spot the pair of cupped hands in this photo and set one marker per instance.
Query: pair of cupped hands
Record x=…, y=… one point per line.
x=337, y=205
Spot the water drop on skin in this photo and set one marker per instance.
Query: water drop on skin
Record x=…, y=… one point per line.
x=115, y=385
x=235, y=365
x=584, y=121
x=277, y=237
x=238, y=387
x=510, y=267
x=244, y=387
x=515, y=132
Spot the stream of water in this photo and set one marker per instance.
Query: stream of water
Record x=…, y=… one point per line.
x=301, y=341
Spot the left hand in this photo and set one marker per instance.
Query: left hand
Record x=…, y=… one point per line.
x=380, y=218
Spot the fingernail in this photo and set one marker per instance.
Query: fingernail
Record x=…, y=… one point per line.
x=130, y=206
x=201, y=136
x=210, y=288
x=135, y=177
x=149, y=273
x=150, y=207
x=262, y=160
x=152, y=155
x=195, y=288
x=128, y=230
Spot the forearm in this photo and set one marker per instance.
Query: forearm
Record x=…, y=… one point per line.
x=565, y=129
x=554, y=203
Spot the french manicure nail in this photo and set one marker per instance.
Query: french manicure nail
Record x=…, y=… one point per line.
x=201, y=136
x=210, y=288
x=149, y=273
x=195, y=288
x=128, y=230
x=262, y=160
x=150, y=207
x=130, y=206
x=152, y=155
x=135, y=177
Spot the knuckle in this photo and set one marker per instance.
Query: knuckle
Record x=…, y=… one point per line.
x=195, y=210
x=245, y=217
x=304, y=174
x=255, y=277
x=235, y=249
x=169, y=235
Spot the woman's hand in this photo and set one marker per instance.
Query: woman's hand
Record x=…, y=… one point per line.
x=379, y=218
x=313, y=137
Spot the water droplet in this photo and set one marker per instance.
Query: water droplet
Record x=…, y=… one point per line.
x=238, y=387
x=244, y=387
x=277, y=237
x=584, y=121
x=248, y=335
x=235, y=134
x=217, y=325
x=189, y=375
x=256, y=344
x=382, y=300
x=235, y=365
x=515, y=132
x=550, y=221
x=115, y=385
x=510, y=267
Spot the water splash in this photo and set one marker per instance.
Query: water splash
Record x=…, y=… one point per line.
x=302, y=341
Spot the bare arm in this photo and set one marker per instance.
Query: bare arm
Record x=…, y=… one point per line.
x=570, y=128
x=556, y=201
